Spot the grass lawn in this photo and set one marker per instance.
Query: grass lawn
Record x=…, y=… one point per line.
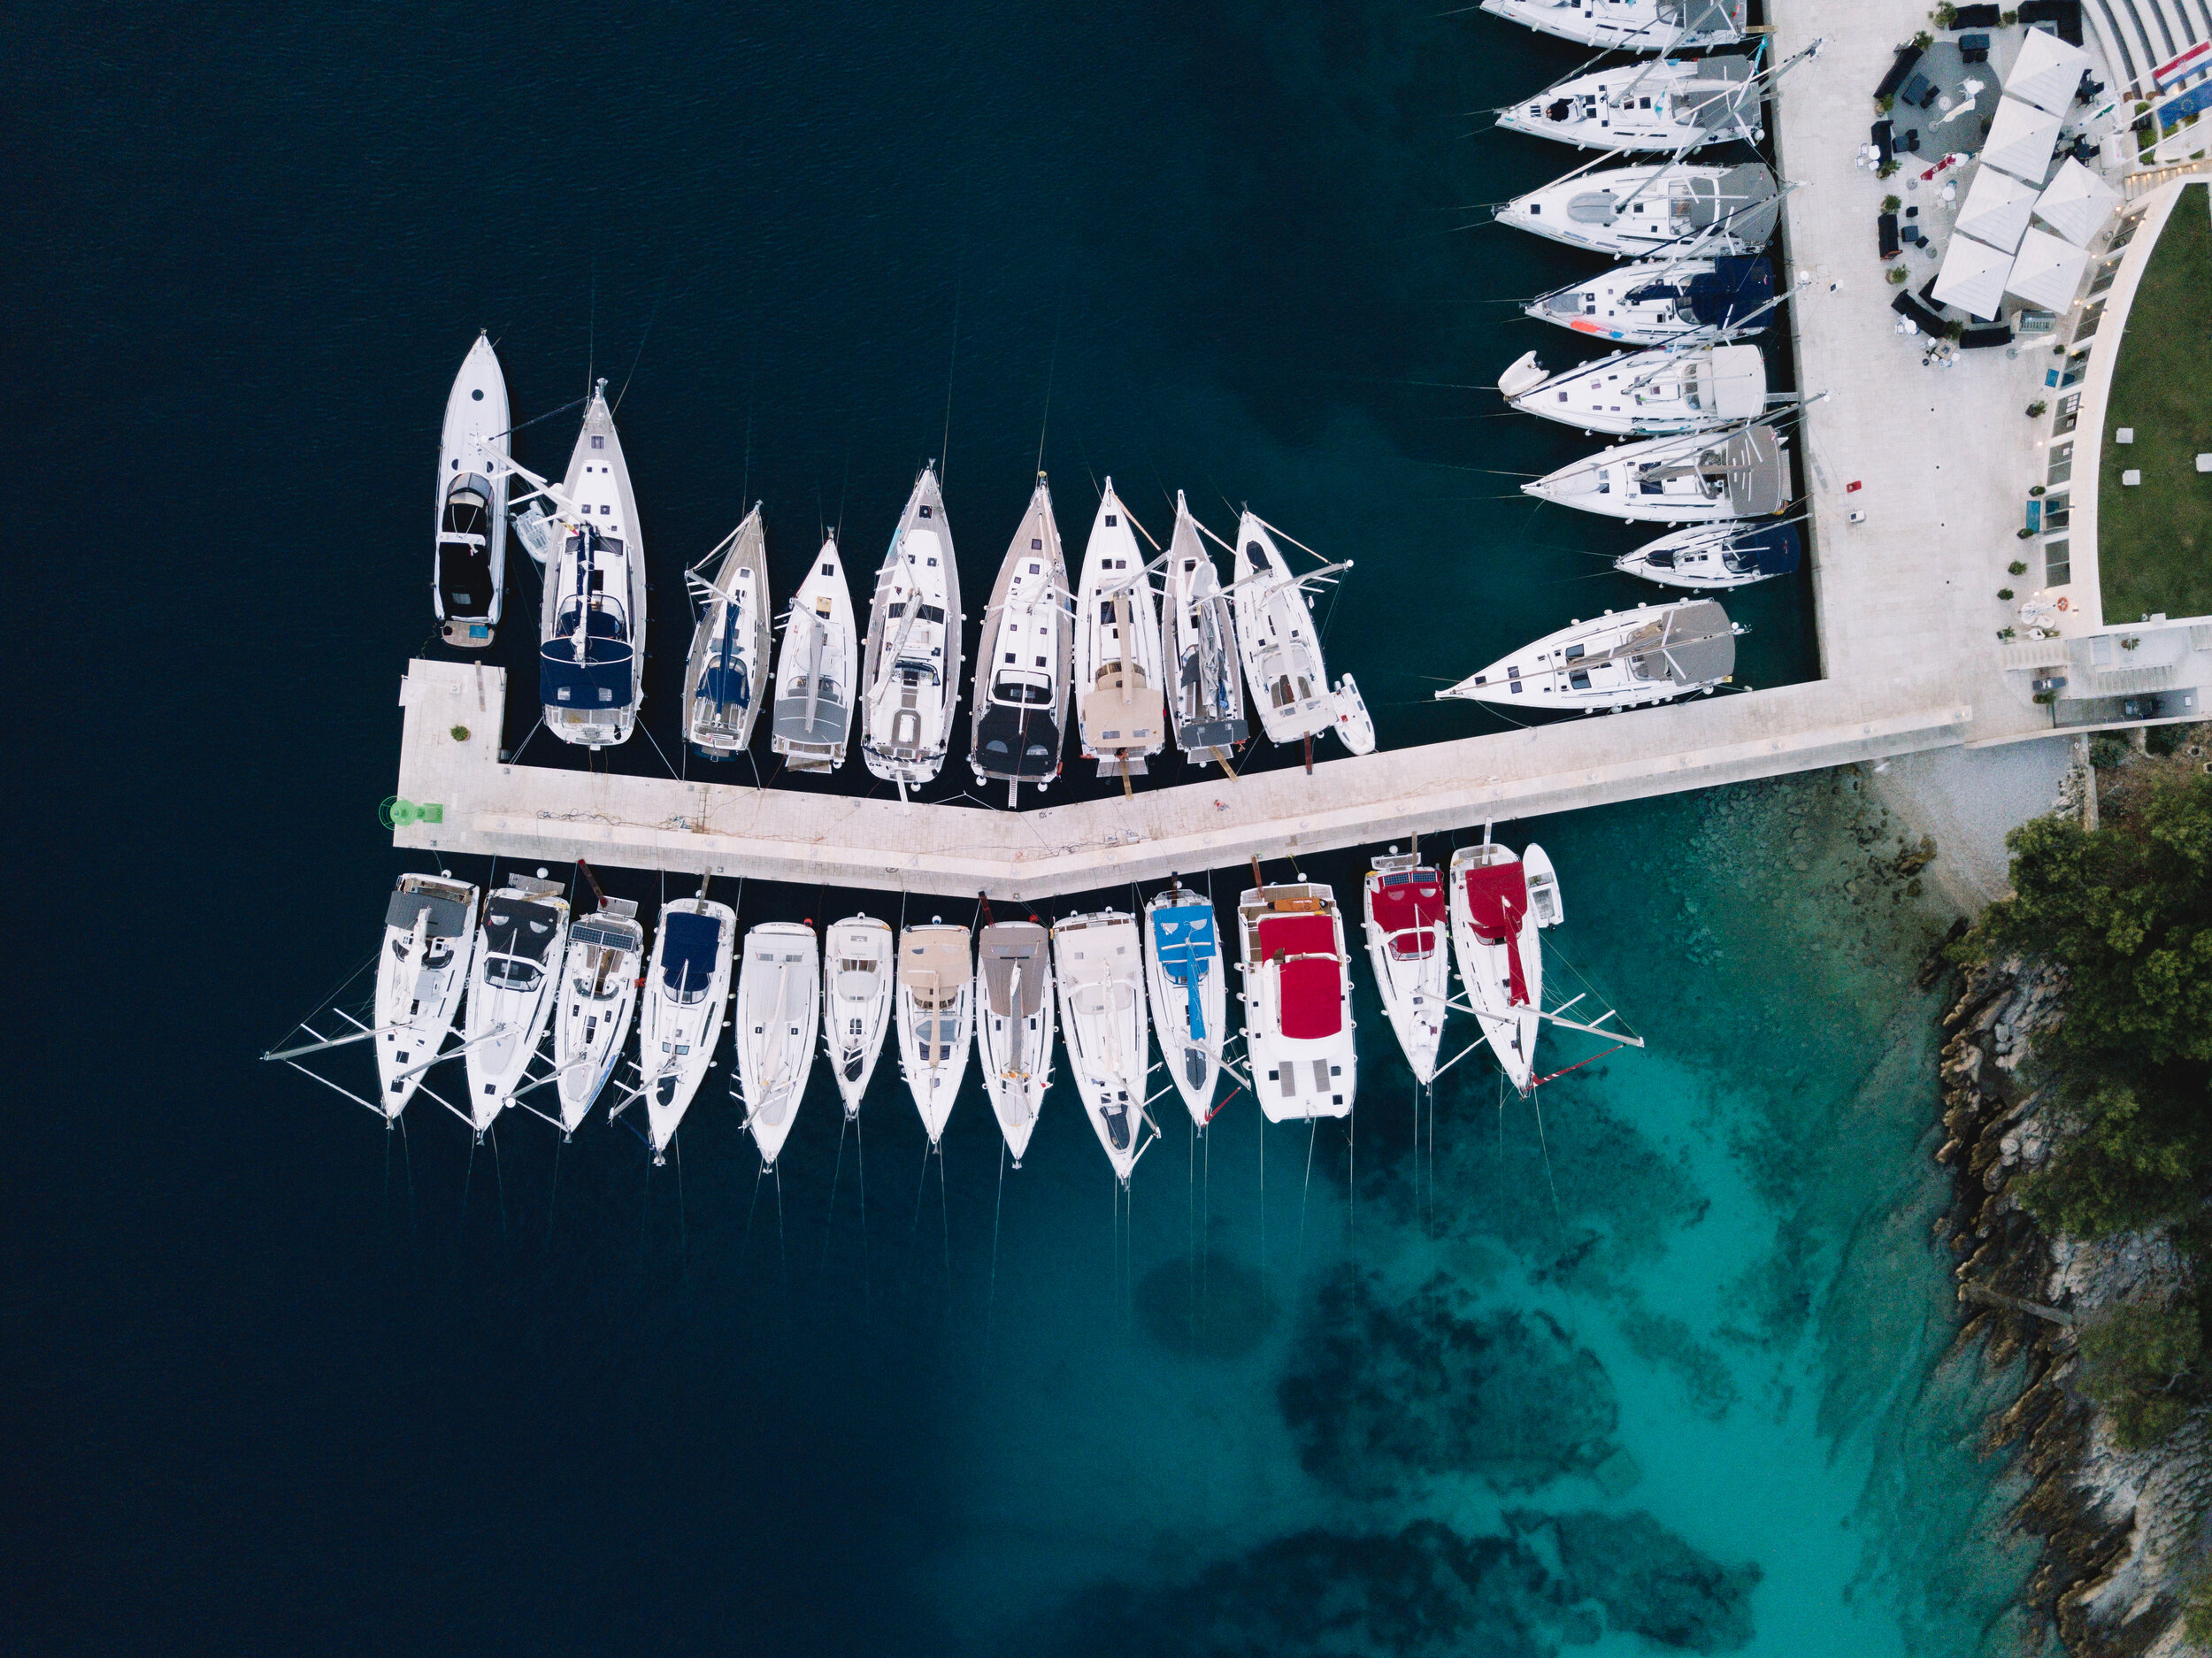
x=2155, y=541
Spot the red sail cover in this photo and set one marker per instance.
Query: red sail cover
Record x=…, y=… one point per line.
x=1497, y=898
x=1312, y=995
x=1408, y=899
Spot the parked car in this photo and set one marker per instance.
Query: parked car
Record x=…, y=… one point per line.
x=2055, y=682
x=2143, y=707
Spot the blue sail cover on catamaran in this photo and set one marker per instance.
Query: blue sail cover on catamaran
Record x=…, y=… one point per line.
x=1187, y=946
x=602, y=679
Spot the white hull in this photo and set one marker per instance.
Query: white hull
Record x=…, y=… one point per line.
x=512, y=987
x=857, y=963
x=1120, y=707
x=1678, y=103
x=1204, y=687
x=1661, y=301
x=1277, y=639
x=1501, y=959
x=597, y=1000
x=1628, y=26
x=429, y=947
x=1711, y=478
x=1714, y=558
x=1666, y=207
x=911, y=675
x=1098, y=963
x=1644, y=394
x=1408, y=950
x=1014, y=1025
x=1623, y=659
x=602, y=712
x=1025, y=663
x=934, y=1008
x=779, y=1010
x=1354, y=726
x=725, y=676
x=681, y=1008
x=1297, y=1000
x=470, y=513
x=810, y=721
x=1188, y=983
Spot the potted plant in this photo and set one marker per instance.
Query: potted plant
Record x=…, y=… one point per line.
x=2024, y=532
x=2036, y=409
x=2004, y=633
x=1890, y=204
x=2017, y=567
x=2004, y=593
x=1946, y=15
x=1886, y=168
x=1894, y=274
x=2047, y=697
x=2035, y=490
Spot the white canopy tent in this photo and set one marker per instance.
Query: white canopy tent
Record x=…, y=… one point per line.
x=2048, y=73
x=2047, y=271
x=2077, y=202
x=1996, y=208
x=1972, y=278
x=2020, y=139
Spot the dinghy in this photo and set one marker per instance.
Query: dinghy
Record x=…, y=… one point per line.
x=912, y=676
x=681, y=1017
x=813, y=711
x=1630, y=25
x=1183, y=972
x=1676, y=104
x=1121, y=711
x=1277, y=639
x=936, y=1005
x=778, y=1009
x=1098, y=962
x=470, y=571
x=1626, y=212
x=1409, y=946
x=1623, y=659
x=1297, y=1000
x=856, y=1001
x=1013, y=1025
x=1698, y=478
x=512, y=990
x=1024, y=665
x=728, y=665
x=421, y=975
x=1661, y=301
x=1685, y=389
x=1205, y=693
x=1712, y=557
x=591, y=629
x=1498, y=904
x=1354, y=727
x=598, y=998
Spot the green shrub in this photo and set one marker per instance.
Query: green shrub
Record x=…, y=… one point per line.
x=2017, y=567
x=2122, y=1169
x=2106, y=752
x=2141, y=1364
x=2163, y=740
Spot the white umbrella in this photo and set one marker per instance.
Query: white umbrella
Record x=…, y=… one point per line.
x=2047, y=271
x=2020, y=139
x=1972, y=278
x=1996, y=208
x=2077, y=202
x=2048, y=73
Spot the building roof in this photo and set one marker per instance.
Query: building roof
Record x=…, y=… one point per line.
x=2048, y=72
x=2077, y=204
x=2020, y=139
x=2047, y=271
x=1996, y=208
x=1972, y=278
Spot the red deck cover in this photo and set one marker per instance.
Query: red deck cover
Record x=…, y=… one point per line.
x=1312, y=993
x=1405, y=899
x=1497, y=899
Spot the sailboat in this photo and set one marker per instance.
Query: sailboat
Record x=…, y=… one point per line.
x=598, y=999
x=512, y=990
x=1278, y=641
x=1623, y=659
x=728, y=663
x=813, y=711
x=911, y=678
x=1120, y=709
x=1205, y=693
x=470, y=567
x=591, y=627
x=421, y=975
x=856, y=1001
x=1676, y=103
x=1498, y=904
x=1653, y=207
x=935, y=1006
x=1013, y=1025
x=1630, y=25
x=1659, y=301
x=1098, y=963
x=1184, y=973
x=1409, y=946
x=778, y=1009
x=681, y=1017
x=1708, y=557
x=1684, y=388
x=1698, y=478
x=1297, y=1000
x=1025, y=662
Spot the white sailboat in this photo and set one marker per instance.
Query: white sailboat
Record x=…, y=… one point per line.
x=598, y=998
x=1684, y=388
x=728, y=666
x=816, y=667
x=1120, y=709
x=1498, y=904
x=1013, y=1025
x=512, y=990
x=591, y=628
x=1662, y=301
x=1205, y=691
x=1025, y=662
x=856, y=1001
x=1698, y=478
x=1297, y=1000
x=1276, y=637
x=1409, y=946
x=1098, y=963
x=1631, y=26
x=421, y=975
x=1657, y=207
x=1676, y=104
x=1711, y=557
x=912, y=676
x=471, y=568
x=1186, y=980
x=680, y=1010
x=934, y=1006
x=778, y=1009
x=1623, y=659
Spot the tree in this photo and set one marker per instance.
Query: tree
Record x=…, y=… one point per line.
x=2124, y=1168
x=2141, y=1364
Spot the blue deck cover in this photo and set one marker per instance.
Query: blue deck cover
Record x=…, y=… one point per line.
x=1188, y=948
x=602, y=679
x=1771, y=551
x=690, y=943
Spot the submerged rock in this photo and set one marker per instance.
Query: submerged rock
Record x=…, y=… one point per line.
x=1651, y=1582
x=1205, y=1307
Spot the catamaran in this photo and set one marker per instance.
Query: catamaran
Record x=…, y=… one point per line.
x=1660, y=302
x=1408, y=944
x=679, y=1021
x=1205, y=693
x=1498, y=904
x=911, y=678
x=512, y=990
x=470, y=567
x=1625, y=212
x=812, y=720
x=936, y=1005
x=1710, y=557
x=1183, y=972
x=1025, y=662
x=729, y=648
x=598, y=998
x=1676, y=103
x=1297, y=1000
x=778, y=1009
x=1623, y=659
x=1013, y=1025
x=856, y=1003
x=1120, y=709
x=1631, y=26
x=421, y=975
x=1098, y=962
x=591, y=628
x=1693, y=478
x=1277, y=639
x=1686, y=389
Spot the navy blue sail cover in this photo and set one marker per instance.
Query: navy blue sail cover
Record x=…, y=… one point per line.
x=1771, y=551
x=726, y=687
x=689, y=944
x=603, y=679
x=1732, y=289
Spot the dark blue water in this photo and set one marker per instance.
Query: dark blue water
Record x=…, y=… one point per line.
x=281, y=1383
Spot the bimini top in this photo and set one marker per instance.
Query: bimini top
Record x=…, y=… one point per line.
x=690, y=945
x=448, y=916
x=1732, y=288
x=1497, y=899
x=1312, y=995
x=1019, y=743
x=934, y=965
x=604, y=678
x=1722, y=95
x=1772, y=550
x=1405, y=902
x=521, y=930
x=1703, y=17
x=1187, y=940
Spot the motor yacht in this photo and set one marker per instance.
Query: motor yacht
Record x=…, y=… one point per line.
x=1684, y=388
x=858, y=955
x=1026, y=659
x=1120, y=708
x=1013, y=1025
x=1631, y=26
x=1676, y=104
x=1409, y=946
x=1654, y=207
x=591, y=626
x=512, y=990
x=1297, y=999
x=728, y=665
x=1185, y=976
x=1710, y=557
x=910, y=678
x=1623, y=659
x=421, y=975
x=682, y=1011
x=1698, y=478
x=470, y=571
x=812, y=717
x=934, y=1006
x=598, y=999
x=1662, y=301
x=779, y=1011
x=1498, y=904
x=1098, y=963
x=1205, y=691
